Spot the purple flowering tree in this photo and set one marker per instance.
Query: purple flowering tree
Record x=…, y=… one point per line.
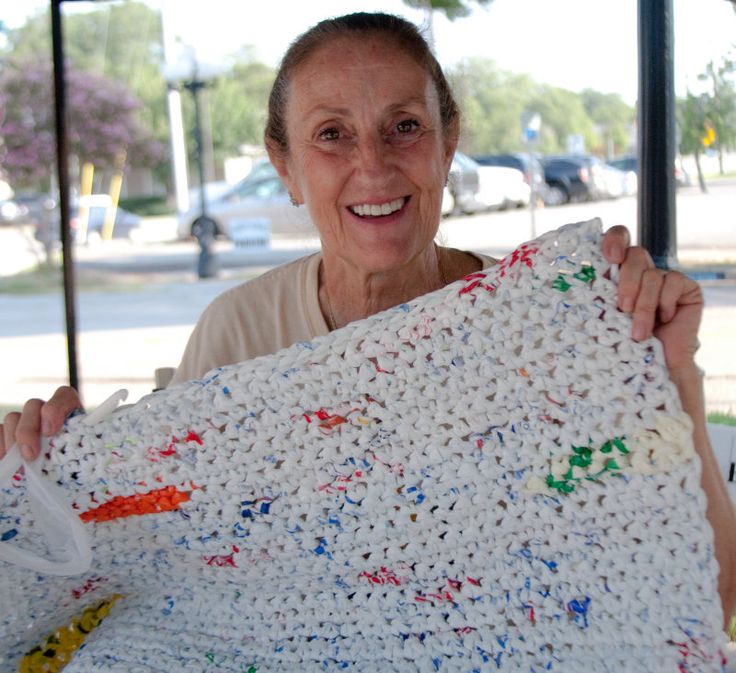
x=102, y=123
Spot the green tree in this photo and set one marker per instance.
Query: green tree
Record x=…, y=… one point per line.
x=692, y=118
x=118, y=42
x=238, y=103
x=613, y=120
x=721, y=107
x=453, y=9
x=563, y=114
x=492, y=102
x=102, y=124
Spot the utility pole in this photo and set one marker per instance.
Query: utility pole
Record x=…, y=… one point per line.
x=204, y=227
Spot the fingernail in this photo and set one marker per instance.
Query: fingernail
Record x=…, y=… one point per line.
x=639, y=333
x=46, y=427
x=617, y=251
x=627, y=304
x=27, y=452
x=74, y=412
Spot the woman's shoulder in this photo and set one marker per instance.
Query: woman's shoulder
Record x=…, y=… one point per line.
x=462, y=262
x=269, y=287
x=486, y=260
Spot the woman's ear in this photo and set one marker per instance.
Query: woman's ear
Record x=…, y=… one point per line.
x=452, y=135
x=278, y=158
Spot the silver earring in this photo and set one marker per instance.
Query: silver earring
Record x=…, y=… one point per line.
x=292, y=200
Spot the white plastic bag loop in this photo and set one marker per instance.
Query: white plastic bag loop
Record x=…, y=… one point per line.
x=60, y=524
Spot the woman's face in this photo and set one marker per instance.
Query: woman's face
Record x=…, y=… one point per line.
x=367, y=152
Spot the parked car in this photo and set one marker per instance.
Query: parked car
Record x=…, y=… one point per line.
x=614, y=181
x=463, y=182
x=39, y=206
x=572, y=177
x=628, y=177
x=502, y=188
x=528, y=164
x=12, y=212
x=260, y=197
x=86, y=221
x=630, y=165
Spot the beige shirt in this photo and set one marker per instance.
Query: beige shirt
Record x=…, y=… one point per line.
x=260, y=317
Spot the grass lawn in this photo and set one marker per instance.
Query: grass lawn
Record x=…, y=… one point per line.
x=47, y=279
x=724, y=419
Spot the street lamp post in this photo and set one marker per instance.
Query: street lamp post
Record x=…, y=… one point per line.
x=203, y=227
x=189, y=73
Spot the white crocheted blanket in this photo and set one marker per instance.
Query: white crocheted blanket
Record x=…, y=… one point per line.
x=491, y=477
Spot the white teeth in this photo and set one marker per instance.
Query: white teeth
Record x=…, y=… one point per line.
x=375, y=210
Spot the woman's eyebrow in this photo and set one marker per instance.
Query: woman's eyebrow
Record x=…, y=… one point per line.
x=329, y=110
x=409, y=102
x=346, y=112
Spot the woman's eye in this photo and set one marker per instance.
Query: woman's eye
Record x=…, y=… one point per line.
x=407, y=126
x=329, y=134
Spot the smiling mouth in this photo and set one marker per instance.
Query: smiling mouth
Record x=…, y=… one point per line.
x=378, y=209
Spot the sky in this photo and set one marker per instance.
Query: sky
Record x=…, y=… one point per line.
x=573, y=44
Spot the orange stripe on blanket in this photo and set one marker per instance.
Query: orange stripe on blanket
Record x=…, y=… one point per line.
x=161, y=500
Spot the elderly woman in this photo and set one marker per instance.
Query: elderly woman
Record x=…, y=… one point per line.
x=362, y=128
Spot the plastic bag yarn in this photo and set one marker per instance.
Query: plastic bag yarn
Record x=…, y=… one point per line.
x=491, y=477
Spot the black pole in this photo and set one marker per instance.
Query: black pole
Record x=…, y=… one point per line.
x=204, y=227
x=657, y=207
x=63, y=175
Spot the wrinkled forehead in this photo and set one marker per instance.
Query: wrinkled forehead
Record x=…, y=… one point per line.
x=371, y=63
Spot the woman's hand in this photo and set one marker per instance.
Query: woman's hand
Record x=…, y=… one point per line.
x=38, y=419
x=667, y=304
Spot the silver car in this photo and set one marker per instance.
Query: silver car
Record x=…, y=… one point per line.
x=259, y=200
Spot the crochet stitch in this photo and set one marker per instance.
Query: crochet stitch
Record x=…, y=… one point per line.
x=494, y=476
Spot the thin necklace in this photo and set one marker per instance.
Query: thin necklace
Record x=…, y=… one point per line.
x=440, y=267
x=330, y=317
x=331, y=322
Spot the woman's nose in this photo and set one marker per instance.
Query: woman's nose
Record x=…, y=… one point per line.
x=373, y=156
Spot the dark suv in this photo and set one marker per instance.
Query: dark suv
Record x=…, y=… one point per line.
x=572, y=177
x=528, y=164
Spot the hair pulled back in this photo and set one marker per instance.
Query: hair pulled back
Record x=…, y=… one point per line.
x=361, y=24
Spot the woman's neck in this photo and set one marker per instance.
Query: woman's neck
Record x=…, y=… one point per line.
x=347, y=294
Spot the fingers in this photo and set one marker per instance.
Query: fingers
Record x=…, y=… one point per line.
x=651, y=295
x=615, y=242
x=53, y=414
x=38, y=419
x=7, y=432
x=647, y=304
x=28, y=429
x=637, y=261
x=675, y=288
